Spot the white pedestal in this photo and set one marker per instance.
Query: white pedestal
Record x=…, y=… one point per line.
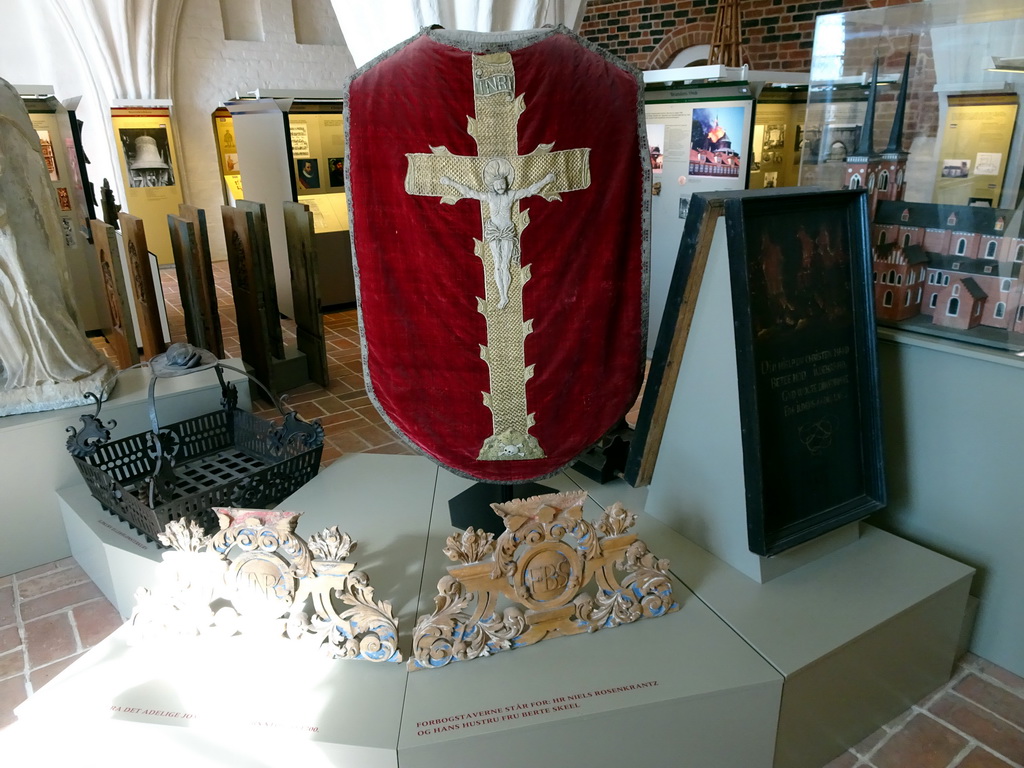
x=860, y=634
x=699, y=483
x=708, y=690
x=113, y=555
x=682, y=688
x=36, y=463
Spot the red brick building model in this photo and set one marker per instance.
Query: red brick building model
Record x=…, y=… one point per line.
x=955, y=264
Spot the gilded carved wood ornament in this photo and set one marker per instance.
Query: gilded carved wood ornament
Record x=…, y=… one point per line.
x=534, y=565
x=257, y=576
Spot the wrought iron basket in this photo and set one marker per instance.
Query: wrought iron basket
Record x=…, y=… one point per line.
x=225, y=458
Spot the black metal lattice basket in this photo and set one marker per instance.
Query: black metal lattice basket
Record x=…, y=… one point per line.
x=225, y=458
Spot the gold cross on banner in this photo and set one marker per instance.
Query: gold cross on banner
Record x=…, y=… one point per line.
x=498, y=177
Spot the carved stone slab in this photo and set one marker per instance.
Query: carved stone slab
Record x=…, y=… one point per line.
x=140, y=273
x=302, y=258
x=542, y=564
x=121, y=332
x=201, y=328
x=256, y=576
x=207, y=289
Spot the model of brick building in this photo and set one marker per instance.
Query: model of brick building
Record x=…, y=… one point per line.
x=955, y=264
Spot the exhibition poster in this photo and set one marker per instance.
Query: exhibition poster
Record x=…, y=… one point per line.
x=149, y=169
x=974, y=147
x=698, y=137
x=227, y=153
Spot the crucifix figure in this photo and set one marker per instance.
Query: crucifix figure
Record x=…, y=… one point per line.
x=499, y=231
x=489, y=177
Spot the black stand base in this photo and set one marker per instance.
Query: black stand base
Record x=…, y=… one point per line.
x=472, y=507
x=607, y=460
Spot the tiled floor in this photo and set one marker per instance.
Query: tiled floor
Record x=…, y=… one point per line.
x=52, y=614
x=351, y=423
x=974, y=721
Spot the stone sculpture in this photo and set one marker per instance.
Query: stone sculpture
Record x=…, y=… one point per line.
x=45, y=360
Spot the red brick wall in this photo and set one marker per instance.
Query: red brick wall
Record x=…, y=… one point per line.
x=777, y=35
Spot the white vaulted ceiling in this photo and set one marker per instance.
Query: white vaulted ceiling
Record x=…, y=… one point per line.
x=371, y=28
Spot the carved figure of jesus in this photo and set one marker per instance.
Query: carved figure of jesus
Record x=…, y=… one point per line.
x=499, y=230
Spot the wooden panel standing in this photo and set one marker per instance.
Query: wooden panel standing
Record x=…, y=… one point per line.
x=207, y=287
x=249, y=291
x=121, y=332
x=302, y=259
x=140, y=273
x=687, y=277
x=264, y=264
x=185, y=246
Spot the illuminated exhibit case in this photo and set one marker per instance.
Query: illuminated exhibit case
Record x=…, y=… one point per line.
x=149, y=166
x=936, y=141
x=309, y=168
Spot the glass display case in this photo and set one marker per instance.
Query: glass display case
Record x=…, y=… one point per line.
x=60, y=142
x=283, y=146
x=778, y=136
x=918, y=105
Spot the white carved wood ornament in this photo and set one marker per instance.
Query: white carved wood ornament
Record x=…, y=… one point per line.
x=544, y=576
x=256, y=576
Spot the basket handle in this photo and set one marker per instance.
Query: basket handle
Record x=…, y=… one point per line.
x=94, y=433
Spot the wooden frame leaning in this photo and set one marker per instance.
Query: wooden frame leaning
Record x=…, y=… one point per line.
x=806, y=363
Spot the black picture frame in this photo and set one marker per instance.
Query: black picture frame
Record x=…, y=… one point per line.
x=806, y=358
x=807, y=364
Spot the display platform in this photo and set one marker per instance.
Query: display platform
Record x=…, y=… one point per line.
x=860, y=634
x=679, y=687
x=803, y=666
x=666, y=691
x=35, y=461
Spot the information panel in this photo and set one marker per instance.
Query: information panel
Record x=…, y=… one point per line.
x=150, y=170
x=974, y=149
x=699, y=137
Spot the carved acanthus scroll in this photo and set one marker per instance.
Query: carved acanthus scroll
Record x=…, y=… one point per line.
x=532, y=565
x=257, y=576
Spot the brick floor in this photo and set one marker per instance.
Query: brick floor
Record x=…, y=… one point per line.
x=51, y=614
x=56, y=613
x=971, y=722
x=981, y=724
x=923, y=742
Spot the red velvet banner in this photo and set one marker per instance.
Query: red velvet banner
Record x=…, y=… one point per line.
x=495, y=199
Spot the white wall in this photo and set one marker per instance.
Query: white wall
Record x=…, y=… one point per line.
x=206, y=69
x=210, y=69
x=952, y=426
x=35, y=48
x=37, y=45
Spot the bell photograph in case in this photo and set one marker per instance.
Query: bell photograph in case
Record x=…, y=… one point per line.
x=148, y=157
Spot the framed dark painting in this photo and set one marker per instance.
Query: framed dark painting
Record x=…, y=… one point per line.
x=800, y=293
x=806, y=361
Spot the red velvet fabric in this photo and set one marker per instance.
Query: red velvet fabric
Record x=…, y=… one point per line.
x=419, y=277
